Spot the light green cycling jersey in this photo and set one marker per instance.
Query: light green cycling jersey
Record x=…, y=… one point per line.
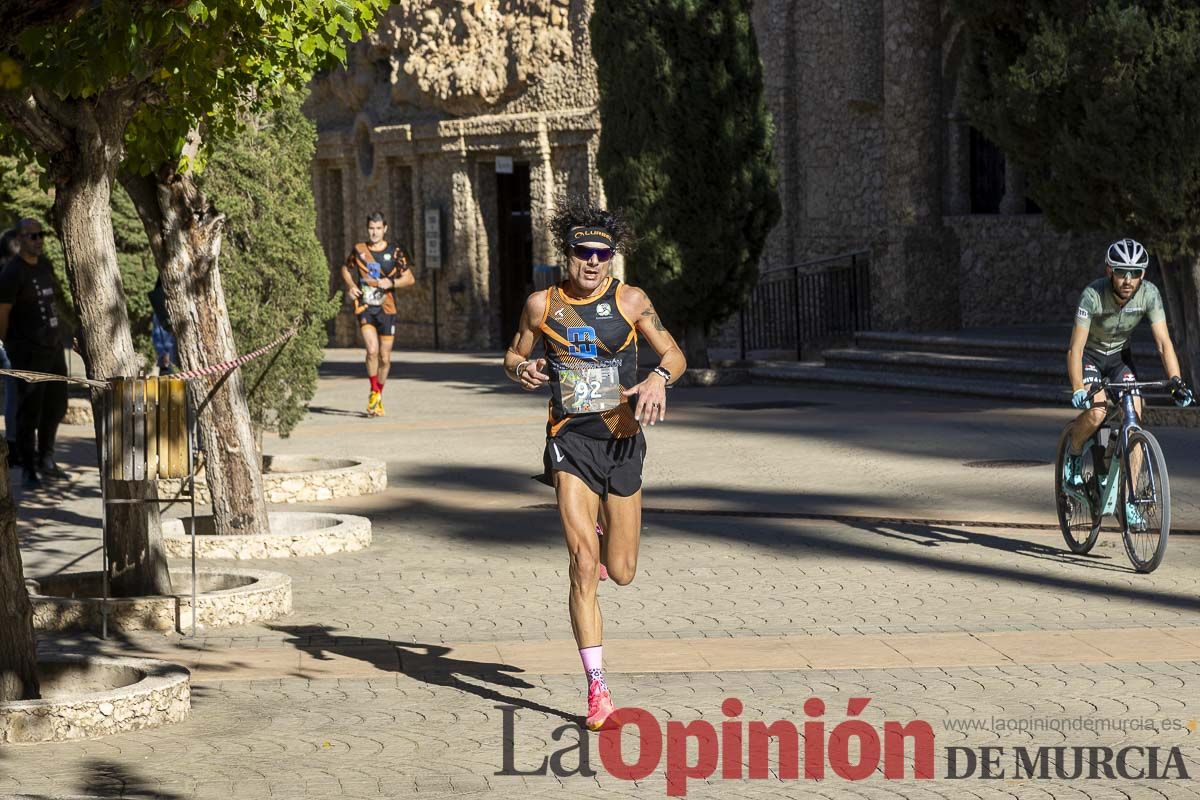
x=1110, y=325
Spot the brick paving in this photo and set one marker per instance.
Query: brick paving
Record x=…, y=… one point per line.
x=389, y=694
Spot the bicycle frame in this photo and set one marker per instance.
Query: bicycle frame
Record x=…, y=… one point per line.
x=1118, y=467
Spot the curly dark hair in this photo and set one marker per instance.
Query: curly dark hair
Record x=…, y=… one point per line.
x=578, y=210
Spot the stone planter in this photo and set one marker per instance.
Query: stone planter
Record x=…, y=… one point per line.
x=293, y=534
x=304, y=479
x=79, y=412
x=88, y=696
x=226, y=597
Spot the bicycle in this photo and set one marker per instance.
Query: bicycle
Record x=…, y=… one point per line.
x=1108, y=486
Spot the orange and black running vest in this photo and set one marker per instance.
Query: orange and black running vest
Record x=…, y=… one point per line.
x=591, y=350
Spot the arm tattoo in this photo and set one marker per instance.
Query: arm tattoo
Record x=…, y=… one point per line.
x=654, y=320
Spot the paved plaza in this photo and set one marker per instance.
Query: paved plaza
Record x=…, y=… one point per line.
x=798, y=543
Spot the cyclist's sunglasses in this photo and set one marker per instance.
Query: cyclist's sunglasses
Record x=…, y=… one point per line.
x=1128, y=274
x=585, y=253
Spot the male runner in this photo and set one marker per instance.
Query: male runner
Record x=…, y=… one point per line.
x=1108, y=311
x=589, y=325
x=372, y=271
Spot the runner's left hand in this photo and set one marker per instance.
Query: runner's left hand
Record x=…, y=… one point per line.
x=652, y=399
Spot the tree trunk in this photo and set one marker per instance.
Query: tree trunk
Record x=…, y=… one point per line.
x=1182, y=280
x=18, y=656
x=82, y=210
x=185, y=237
x=695, y=345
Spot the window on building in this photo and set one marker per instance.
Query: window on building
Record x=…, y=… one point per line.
x=987, y=175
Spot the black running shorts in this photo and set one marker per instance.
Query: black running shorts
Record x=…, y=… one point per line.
x=605, y=465
x=384, y=323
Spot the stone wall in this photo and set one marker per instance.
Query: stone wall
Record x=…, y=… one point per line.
x=871, y=145
x=1017, y=270
x=416, y=121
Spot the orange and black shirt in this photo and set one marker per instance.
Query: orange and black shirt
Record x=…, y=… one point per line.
x=591, y=351
x=371, y=265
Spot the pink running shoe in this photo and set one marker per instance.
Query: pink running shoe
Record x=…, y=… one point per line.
x=600, y=706
x=603, y=569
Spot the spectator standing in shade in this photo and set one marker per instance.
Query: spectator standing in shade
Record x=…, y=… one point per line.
x=34, y=335
x=161, y=333
x=9, y=245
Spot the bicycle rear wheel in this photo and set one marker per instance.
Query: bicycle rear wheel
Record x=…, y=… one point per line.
x=1146, y=538
x=1080, y=522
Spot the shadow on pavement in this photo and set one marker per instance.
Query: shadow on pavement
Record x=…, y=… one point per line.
x=428, y=663
x=911, y=545
x=108, y=779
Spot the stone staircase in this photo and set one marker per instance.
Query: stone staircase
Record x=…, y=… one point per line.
x=1021, y=364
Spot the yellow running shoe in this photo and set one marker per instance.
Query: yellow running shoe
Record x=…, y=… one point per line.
x=374, y=403
x=379, y=406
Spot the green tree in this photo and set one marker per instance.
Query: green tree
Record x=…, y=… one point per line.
x=275, y=270
x=1097, y=101
x=23, y=193
x=260, y=177
x=685, y=149
x=138, y=88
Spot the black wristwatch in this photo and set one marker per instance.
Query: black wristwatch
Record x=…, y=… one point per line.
x=663, y=373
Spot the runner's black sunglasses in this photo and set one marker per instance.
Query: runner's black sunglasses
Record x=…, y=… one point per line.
x=585, y=253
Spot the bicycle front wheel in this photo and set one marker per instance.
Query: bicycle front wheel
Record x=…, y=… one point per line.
x=1079, y=521
x=1146, y=515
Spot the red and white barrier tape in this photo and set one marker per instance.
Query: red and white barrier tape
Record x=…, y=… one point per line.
x=234, y=363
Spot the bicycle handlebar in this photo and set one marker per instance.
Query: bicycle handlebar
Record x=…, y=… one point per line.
x=1107, y=384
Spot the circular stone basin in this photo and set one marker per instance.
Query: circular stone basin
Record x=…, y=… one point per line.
x=225, y=597
x=293, y=534
x=304, y=479
x=89, y=696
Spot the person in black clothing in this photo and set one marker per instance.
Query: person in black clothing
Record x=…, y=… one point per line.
x=10, y=244
x=33, y=337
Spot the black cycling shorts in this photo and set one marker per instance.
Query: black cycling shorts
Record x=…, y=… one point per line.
x=1116, y=367
x=384, y=323
x=605, y=465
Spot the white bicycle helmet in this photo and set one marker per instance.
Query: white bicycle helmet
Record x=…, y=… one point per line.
x=1127, y=254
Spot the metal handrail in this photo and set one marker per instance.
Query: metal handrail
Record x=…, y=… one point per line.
x=815, y=303
x=817, y=261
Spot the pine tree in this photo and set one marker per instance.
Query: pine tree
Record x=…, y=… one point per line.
x=685, y=150
x=1097, y=101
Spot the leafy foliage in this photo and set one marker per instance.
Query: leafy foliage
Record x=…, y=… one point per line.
x=685, y=148
x=1098, y=102
x=272, y=265
x=23, y=194
x=192, y=64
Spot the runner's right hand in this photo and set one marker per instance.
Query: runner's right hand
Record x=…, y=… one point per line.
x=533, y=376
x=1080, y=399
x=354, y=292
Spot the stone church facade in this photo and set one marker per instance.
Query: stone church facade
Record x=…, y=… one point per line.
x=465, y=123
x=875, y=152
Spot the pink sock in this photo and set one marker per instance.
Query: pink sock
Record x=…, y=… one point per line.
x=593, y=665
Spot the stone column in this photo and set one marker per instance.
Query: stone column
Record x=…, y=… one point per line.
x=915, y=270
x=541, y=197
x=1013, y=201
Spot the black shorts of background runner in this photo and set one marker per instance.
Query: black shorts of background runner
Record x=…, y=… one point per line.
x=1116, y=367
x=604, y=465
x=384, y=323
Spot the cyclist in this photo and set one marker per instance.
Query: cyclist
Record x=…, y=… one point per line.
x=1108, y=311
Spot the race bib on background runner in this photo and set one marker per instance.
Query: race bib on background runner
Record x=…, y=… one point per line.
x=589, y=391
